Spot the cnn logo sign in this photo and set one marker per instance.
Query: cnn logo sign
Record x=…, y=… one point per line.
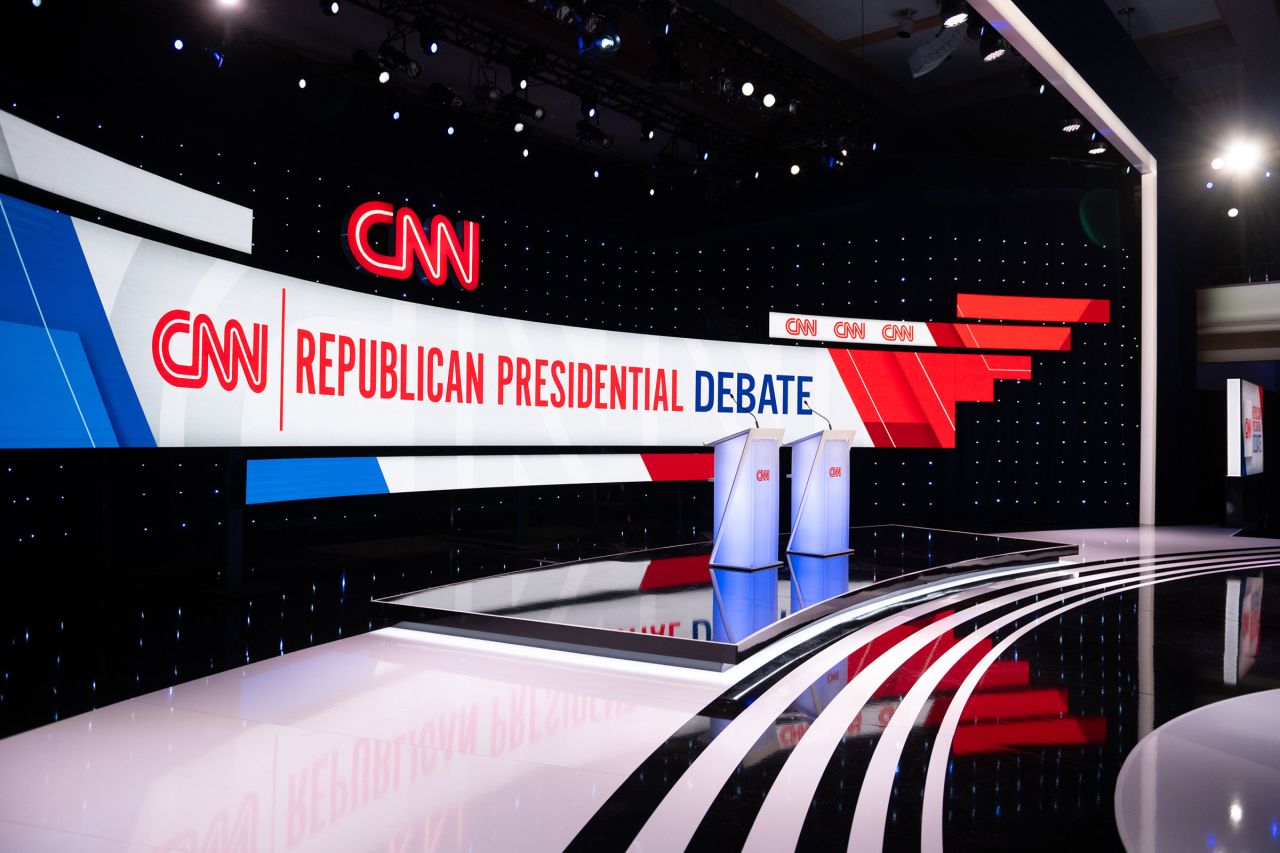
x=432, y=252
x=187, y=351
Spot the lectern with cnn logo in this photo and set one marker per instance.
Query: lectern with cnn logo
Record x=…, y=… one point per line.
x=745, y=520
x=820, y=493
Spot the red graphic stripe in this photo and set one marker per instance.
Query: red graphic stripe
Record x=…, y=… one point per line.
x=282, y=337
x=974, y=336
x=986, y=306
x=908, y=399
x=677, y=571
x=664, y=467
x=876, y=429
x=1039, y=338
x=1077, y=731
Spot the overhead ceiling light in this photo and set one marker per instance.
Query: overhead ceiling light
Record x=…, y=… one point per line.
x=1233, y=212
x=907, y=25
x=392, y=57
x=1071, y=124
x=384, y=76
x=587, y=105
x=954, y=13
x=795, y=168
x=748, y=89
x=330, y=7
x=1098, y=148
x=769, y=99
x=302, y=82
x=992, y=45
x=588, y=132
x=1242, y=156
x=178, y=44
x=519, y=127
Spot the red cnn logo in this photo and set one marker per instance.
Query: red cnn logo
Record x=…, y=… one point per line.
x=228, y=353
x=801, y=327
x=834, y=471
x=435, y=251
x=762, y=475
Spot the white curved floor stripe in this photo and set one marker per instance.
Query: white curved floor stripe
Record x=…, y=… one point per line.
x=677, y=817
x=877, y=786
x=931, y=814
x=781, y=817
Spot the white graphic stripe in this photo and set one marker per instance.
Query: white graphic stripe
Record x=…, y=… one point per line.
x=680, y=812
x=877, y=787
x=783, y=812
x=931, y=816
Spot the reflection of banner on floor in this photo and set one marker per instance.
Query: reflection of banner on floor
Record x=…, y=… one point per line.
x=129, y=342
x=297, y=479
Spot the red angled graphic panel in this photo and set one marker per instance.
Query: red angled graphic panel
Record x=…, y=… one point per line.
x=679, y=466
x=986, y=306
x=908, y=399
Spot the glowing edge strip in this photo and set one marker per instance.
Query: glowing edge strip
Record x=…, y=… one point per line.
x=1018, y=30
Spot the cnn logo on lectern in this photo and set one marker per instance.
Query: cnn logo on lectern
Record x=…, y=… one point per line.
x=763, y=475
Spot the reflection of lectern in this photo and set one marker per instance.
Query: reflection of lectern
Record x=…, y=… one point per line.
x=745, y=602
x=746, y=499
x=820, y=493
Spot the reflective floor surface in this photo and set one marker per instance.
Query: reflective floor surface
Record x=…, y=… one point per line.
x=987, y=717
x=672, y=596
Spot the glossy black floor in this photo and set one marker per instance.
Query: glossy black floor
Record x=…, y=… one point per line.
x=1034, y=766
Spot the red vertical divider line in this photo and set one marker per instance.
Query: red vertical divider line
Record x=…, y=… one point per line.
x=282, y=336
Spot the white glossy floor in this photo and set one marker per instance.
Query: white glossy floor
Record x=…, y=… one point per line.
x=394, y=740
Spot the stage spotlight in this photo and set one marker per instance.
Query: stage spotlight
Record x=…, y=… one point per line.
x=1208, y=185
x=651, y=192
x=748, y=89
x=795, y=168
x=384, y=76
x=429, y=36
x=36, y=3
x=487, y=93
x=793, y=107
x=178, y=44
x=1071, y=124
x=1233, y=212
x=595, y=173
x=706, y=155
x=907, y=25
x=330, y=7
x=1098, y=148
x=395, y=115
x=446, y=97
x=302, y=82
x=647, y=129
x=769, y=100
x=563, y=12
x=992, y=45
x=449, y=130
x=1267, y=174
x=391, y=57
x=524, y=152
x=608, y=41
x=592, y=134
x=1217, y=163
x=1242, y=156
x=228, y=4
x=954, y=13
x=518, y=127
x=514, y=104
x=588, y=105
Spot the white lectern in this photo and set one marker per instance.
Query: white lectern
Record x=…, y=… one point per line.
x=820, y=493
x=745, y=527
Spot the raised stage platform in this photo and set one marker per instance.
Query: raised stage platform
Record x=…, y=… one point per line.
x=671, y=604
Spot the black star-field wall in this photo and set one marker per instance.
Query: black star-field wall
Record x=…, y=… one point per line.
x=127, y=567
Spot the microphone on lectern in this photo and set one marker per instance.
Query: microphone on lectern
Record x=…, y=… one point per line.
x=749, y=412
x=824, y=417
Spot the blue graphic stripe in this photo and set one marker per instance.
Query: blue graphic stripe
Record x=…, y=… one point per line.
x=40, y=408
x=273, y=480
x=45, y=282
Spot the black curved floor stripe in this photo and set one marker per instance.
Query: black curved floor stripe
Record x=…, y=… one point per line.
x=616, y=823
